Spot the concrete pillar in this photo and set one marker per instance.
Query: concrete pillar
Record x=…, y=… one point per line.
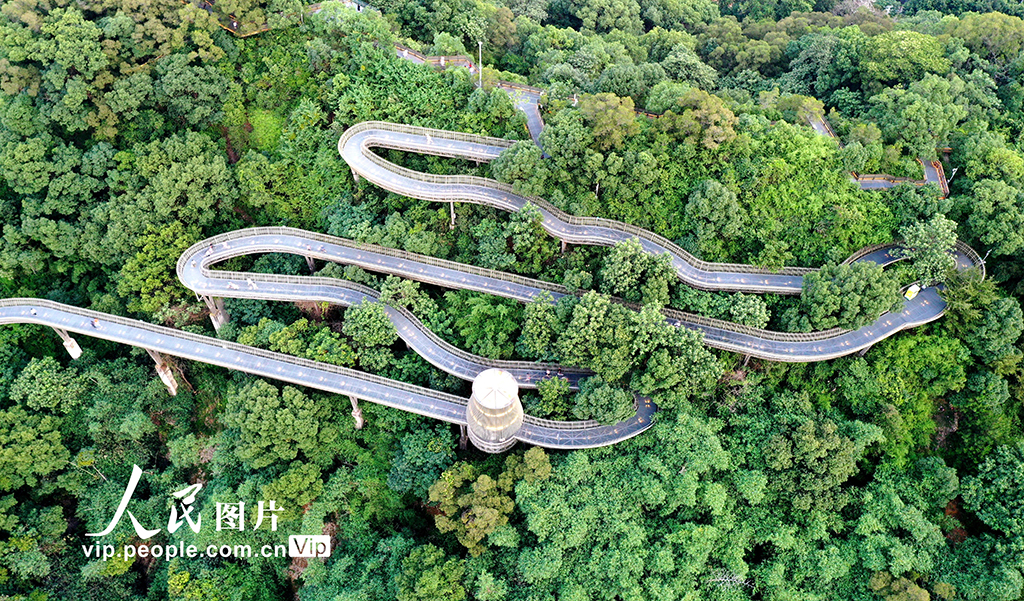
x=451, y=207
x=563, y=247
x=69, y=343
x=311, y=264
x=163, y=369
x=218, y=315
x=746, y=359
x=865, y=350
x=357, y=413
x=463, y=437
x=355, y=176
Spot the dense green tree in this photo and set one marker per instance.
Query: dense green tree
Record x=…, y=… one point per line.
x=714, y=219
x=922, y=116
x=522, y=167
x=30, y=448
x=540, y=326
x=427, y=574
x=683, y=65
x=929, y=244
x=845, y=296
x=608, y=15
x=488, y=324
x=901, y=57
x=45, y=384
x=148, y=280
x=598, y=401
x=700, y=119
x=611, y=118
x=997, y=216
x=422, y=456
x=276, y=426
x=992, y=335
x=473, y=504
x=636, y=275
x=368, y=325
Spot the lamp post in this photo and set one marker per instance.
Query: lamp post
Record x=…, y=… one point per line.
x=480, y=62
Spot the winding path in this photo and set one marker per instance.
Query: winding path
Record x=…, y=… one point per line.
x=303, y=372
x=933, y=172
x=356, y=147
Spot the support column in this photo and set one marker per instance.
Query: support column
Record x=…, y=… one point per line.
x=451, y=207
x=357, y=413
x=218, y=315
x=355, y=176
x=746, y=359
x=311, y=264
x=463, y=437
x=865, y=350
x=69, y=343
x=563, y=247
x=163, y=369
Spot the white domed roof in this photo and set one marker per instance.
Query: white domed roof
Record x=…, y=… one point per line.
x=495, y=389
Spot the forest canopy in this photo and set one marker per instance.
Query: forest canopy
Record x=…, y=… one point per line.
x=131, y=131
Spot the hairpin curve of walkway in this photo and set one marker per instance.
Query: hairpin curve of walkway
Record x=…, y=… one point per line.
x=355, y=147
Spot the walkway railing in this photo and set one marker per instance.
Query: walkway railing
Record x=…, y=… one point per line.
x=249, y=350
x=469, y=180
x=863, y=178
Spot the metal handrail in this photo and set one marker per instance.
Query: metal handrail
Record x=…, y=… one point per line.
x=234, y=346
x=682, y=316
x=311, y=281
x=558, y=214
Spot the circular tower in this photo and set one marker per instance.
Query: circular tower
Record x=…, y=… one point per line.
x=494, y=413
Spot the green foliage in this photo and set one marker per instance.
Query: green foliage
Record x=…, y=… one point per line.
x=30, y=448
x=295, y=489
x=901, y=57
x=845, y=296
x=266, y=129
x=276, y=426
x=636, y=275
x=426, y=575
x=473, y=504
x=147, y=279
x=611, y=118
x=929, y=245
x=422, y=456
x=714, y=219
x=598, y=401
x=368, y=325
x=700, y=119
x=45, y=384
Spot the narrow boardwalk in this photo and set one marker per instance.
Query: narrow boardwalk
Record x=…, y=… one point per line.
x=933, y=172
x=356, y=147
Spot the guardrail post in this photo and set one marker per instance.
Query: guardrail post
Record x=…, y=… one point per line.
x=163, y=369
x=218, y=315
x=463, y=437
x=357, y=413
x=69, y=343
